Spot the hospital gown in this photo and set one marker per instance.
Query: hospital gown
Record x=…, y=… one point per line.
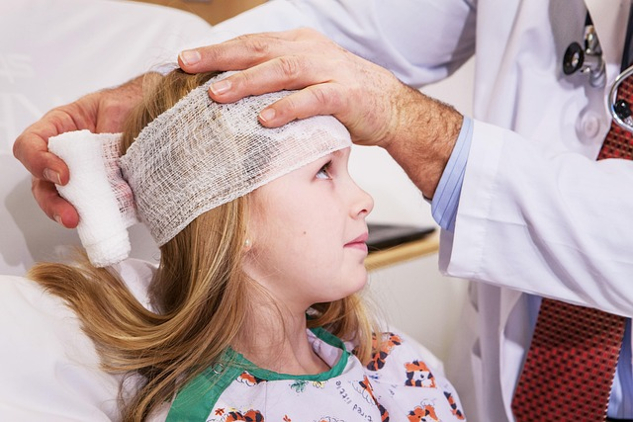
x=396, y=385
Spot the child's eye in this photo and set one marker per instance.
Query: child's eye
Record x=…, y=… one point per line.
x=324, y=173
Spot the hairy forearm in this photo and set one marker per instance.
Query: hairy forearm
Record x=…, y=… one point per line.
x=427, y=130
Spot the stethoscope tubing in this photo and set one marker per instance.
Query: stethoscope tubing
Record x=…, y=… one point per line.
x=613, y=98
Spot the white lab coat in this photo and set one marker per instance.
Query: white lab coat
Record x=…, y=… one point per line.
x=537, y=213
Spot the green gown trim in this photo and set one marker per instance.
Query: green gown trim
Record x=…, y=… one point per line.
x=196, y=400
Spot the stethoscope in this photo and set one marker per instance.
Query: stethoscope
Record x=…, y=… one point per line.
x=589, y=61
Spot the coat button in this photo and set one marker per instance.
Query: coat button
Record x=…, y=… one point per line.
x=588, y=126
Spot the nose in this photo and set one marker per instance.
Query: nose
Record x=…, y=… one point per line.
x=362, y=204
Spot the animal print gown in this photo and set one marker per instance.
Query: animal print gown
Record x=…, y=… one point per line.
x=397, y=385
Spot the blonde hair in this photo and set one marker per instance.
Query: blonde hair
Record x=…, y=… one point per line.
x=199, y=292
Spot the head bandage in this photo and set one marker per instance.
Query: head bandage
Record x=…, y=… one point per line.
x=194, y=157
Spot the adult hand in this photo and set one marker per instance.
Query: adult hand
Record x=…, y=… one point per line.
x=337, y=82
x=103, y=111
x=369, y=100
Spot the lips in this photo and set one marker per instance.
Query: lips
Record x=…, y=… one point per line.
x=360, y=239
x=359, y=242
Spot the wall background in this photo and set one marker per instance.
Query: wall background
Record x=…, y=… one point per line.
x=213, y=11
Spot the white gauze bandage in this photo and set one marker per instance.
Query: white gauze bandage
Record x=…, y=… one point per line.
x=200, y=154
x=96, y=188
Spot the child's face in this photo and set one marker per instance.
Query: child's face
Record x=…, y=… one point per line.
x=308, y=234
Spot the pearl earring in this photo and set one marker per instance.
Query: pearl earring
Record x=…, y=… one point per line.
x=247, y=244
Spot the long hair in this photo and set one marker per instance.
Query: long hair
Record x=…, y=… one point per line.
x=200, y=295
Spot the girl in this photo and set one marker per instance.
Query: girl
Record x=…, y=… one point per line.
x=253, y=312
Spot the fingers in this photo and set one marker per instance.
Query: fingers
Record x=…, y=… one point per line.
x=291, y=62
x=355, y=91
x=31, y=147
x=321, y=99
x=241, y=52
x=321, y=89
x=53, y=205
x=285, y=72
x=328, y=80
x=270, y=62
x=103, y=111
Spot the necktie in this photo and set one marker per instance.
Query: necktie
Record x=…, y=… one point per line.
x=569, y=368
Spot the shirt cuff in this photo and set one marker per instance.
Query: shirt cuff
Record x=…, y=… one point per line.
x=446, y=199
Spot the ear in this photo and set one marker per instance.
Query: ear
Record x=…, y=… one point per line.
x=255, y=223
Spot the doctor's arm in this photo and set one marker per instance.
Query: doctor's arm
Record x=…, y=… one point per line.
x=556, y=225
x=552, y=225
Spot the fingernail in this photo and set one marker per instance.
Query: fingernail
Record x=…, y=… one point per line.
x=190, y=57
x=220, y=87
x=58, y=219
x=52, y=176
x=267, y=115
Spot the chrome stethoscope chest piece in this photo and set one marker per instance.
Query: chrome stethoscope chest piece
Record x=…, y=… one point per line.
x=589, y=61
x=621, y=109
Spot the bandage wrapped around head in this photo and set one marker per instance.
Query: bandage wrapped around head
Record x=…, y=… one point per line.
x=192, y=158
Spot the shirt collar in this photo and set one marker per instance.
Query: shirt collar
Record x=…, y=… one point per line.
x=610, y=18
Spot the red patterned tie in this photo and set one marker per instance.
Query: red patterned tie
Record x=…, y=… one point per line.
x=569, y=369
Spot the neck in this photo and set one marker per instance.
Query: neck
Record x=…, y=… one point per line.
x=279, y=342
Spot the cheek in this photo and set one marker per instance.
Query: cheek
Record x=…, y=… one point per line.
x=309, y=246
x=307, y=225
x=309, y=231
x=282, y=238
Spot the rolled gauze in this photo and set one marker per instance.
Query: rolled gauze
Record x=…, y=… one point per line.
x=97, y=190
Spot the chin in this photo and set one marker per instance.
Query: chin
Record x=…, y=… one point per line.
x=360, y=282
